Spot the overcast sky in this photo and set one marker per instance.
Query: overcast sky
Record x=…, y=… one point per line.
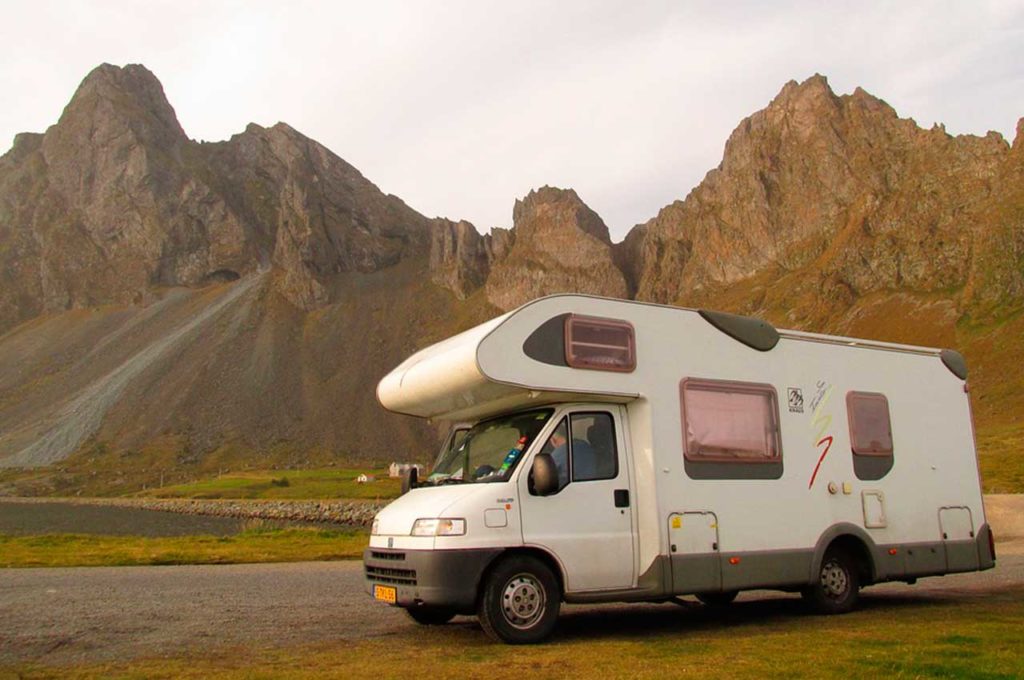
x=461, y=107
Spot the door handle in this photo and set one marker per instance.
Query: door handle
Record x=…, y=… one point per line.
x=622, y=498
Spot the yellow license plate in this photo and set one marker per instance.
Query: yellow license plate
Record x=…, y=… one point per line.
x=386, y=594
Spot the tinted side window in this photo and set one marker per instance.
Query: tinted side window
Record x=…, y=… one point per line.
x=870, y=427
x=730, y=430
x=557, y=446
x=730, y=421
x=594, y=454
x=870, y=434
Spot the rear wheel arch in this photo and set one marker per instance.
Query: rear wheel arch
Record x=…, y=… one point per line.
x=854, y=541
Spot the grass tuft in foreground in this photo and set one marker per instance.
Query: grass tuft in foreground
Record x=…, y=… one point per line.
x=253, y=545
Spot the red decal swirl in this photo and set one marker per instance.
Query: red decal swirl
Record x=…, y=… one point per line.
x=827, y=441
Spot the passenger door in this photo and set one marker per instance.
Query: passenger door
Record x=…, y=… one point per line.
x=588, y=523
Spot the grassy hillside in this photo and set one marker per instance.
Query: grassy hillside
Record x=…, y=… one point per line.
x=254, y=545
x=286, y=485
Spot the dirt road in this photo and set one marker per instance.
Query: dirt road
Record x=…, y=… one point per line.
x=59, y=616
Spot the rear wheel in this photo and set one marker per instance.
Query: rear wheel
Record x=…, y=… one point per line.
x=520, y=601
x=430, y=616
x=718, y=599
x=838, y=584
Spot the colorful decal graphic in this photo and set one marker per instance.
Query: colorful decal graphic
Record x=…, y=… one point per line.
x=821, y=422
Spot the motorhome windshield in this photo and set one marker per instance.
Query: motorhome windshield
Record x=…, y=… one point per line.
x=490, y=449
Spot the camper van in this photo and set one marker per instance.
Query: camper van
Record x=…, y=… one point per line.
x=607, y=450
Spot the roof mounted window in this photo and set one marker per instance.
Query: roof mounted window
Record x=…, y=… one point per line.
x=599, y=344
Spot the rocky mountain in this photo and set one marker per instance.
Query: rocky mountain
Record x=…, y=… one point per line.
x=205, y=304
x=846, y=199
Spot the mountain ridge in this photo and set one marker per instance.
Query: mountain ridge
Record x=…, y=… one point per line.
x=828, y=212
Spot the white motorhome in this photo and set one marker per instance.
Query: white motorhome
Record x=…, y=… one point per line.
x=607, y=450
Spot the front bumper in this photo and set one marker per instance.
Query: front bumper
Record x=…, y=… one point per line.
x=447, y=578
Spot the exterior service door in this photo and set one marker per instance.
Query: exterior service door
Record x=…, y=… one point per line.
x=588, y=523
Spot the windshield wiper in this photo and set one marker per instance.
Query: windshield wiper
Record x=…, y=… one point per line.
x=450, y=480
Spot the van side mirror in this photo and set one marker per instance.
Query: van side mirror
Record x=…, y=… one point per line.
x=410, y=480
x=545, y=474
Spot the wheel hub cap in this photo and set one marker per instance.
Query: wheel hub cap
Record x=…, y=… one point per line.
x=834, y=580
x=522, y=601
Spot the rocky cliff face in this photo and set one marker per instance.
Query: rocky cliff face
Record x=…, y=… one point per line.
x=114, y=199
x=558, y=245
x=254, y=290
x=313, y=214
x=846, y=199
x=460, y=258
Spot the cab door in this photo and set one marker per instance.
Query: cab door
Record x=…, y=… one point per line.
x=588, y=523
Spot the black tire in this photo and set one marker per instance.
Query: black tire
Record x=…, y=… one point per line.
x=718, y=599
x=520, y=601
x=430, y=616
x=838, y=585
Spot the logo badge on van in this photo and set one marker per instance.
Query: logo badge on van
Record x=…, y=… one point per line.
x=795, y=397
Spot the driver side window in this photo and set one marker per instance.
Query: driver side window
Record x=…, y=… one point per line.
x=583, y=448
x=557, y=446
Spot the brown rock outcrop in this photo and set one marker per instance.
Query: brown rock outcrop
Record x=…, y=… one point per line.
x=559, y=245
x=104, y=205
x=115, y=199
x=312, y=214
x=460, y=258
x=839, y=190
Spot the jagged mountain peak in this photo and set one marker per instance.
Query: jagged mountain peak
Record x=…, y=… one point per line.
x=565, y=210
x=558, y=245
x=130, y=93
x=814, y=86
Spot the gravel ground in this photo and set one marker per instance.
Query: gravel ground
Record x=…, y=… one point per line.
x=66, y=616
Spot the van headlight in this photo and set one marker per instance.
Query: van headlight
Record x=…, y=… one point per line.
x=375, y=528
x=439, y=527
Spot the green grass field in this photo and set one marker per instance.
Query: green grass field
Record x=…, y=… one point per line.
x=1001, y=457
x=253, y=545
x=972, y=637
x=286, y=485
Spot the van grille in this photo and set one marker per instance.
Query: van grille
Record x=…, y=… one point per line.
x=402, y=577
x=397, y=556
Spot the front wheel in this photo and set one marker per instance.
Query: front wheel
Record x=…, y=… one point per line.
x=430, y=616
x=520, y=601
x=837, y=587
